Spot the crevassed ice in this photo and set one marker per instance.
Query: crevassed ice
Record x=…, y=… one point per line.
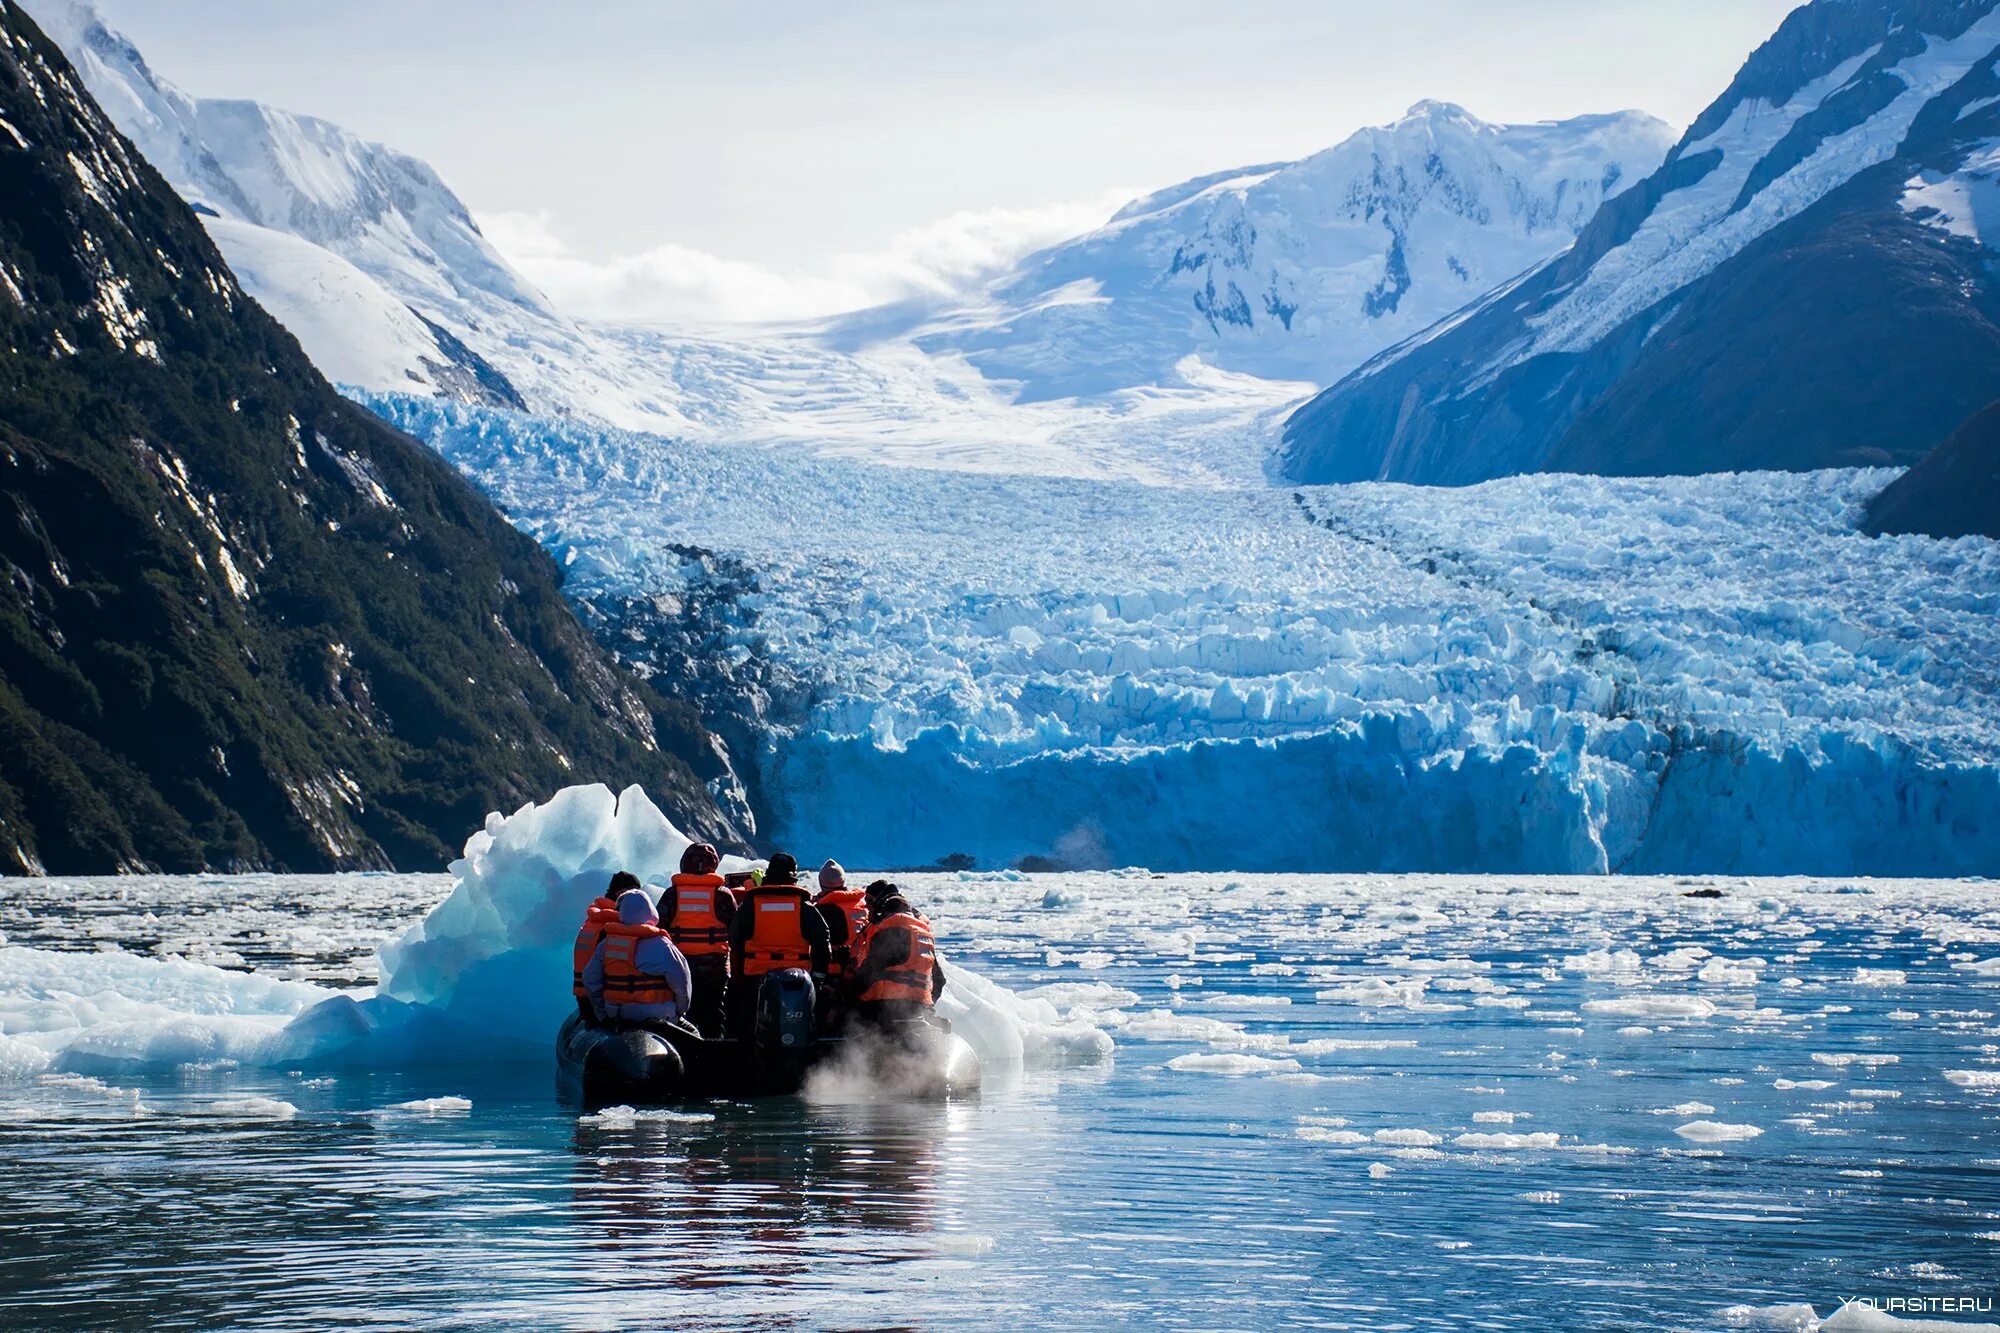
x=1550, y=673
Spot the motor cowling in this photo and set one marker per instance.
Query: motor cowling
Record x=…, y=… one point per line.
x=785, y=1029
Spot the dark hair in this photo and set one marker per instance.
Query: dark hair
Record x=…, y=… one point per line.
x=622, y=882
x=889, y=906
x=879, y=888
x=699, y=859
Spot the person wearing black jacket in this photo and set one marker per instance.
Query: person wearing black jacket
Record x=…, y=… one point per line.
x=776, y=927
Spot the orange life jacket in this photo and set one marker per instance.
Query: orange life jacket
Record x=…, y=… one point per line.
x=697, y=928
x=852, y=904
x=595, y=918
x=777, y=935
x=624, y=983
x=911, y=978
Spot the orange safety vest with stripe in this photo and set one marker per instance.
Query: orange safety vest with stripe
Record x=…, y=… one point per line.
x=911, y=978
x=595, y=918
x=696, y=927
x=777, y=935
x=852, y=904
x=624, y=983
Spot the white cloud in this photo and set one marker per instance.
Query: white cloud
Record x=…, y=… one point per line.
x=672, y=282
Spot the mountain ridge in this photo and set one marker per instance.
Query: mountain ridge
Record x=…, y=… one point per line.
x=1300, y=270
x=245, y=624
x=1776, y=234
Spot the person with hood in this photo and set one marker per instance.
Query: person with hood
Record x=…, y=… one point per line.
x=898, y=976
x=846, y=914
x=602, y=911
x=696, y=910
x=776, y=927
x=637, y=976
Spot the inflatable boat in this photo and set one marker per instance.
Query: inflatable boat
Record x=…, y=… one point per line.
x=603, y=1065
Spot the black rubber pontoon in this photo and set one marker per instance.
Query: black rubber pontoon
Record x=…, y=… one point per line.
x=619, y=1064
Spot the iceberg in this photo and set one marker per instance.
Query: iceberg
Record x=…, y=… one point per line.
x=484, y=976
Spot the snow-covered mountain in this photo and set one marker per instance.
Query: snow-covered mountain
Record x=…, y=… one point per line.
x=246, y=625
x=1805, y=282
x=1287, y=274
x=361, y=251
x=1302, y=270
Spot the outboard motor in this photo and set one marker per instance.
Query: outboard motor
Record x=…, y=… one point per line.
x=784, y=1033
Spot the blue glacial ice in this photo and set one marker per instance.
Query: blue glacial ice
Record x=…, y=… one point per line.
x=1551, y=674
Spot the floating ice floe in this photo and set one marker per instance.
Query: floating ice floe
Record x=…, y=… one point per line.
x=428, y=1106
x=626, y=1117
x=1542, y=1139
x=1715, y=1131
x=251, y=1108
x=1653, y=1006
x=1232, y=1063
x=1980, y=1079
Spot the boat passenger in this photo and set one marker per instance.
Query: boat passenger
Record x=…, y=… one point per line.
x=846, y=913
x=776, y=927
x=637, y=976
x=696, y=910
x=899, y=977
x=602, y=911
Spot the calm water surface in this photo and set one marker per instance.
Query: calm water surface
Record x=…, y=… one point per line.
x=1309, y=1122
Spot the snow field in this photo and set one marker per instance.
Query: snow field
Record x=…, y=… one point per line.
x=1697, y=227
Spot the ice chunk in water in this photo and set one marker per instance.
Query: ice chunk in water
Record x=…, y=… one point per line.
x=1715, y=1131
x=1777, y=1318
x=484, y=977
x=495, y=955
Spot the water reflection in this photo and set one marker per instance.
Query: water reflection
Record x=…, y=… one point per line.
x=774, y=1179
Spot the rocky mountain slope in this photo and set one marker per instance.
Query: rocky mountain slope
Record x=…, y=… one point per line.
x=1955, y=492
x=361, y=251
x=243, y=622
x=1802, y=284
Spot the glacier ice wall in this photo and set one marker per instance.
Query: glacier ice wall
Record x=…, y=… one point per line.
x=1550, y=673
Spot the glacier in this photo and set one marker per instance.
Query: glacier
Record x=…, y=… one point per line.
x=1551, y=674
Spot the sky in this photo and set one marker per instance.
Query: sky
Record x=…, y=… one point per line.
x=772, y=158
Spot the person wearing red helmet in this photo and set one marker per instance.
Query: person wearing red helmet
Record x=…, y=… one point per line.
x=696, y=909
